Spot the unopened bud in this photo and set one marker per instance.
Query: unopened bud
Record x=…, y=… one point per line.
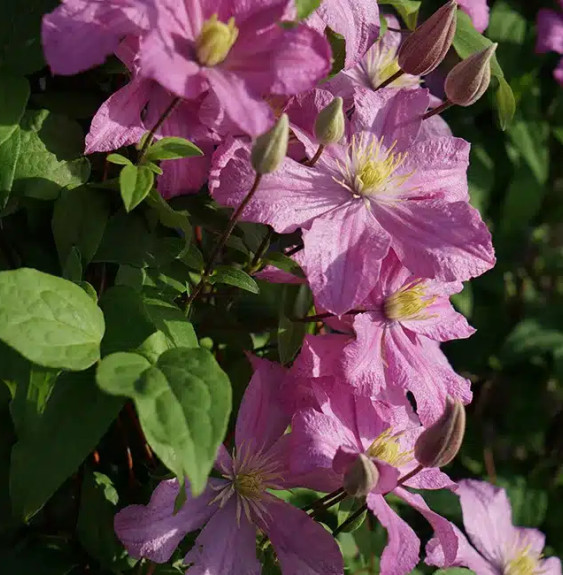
x=270, y=148
x=427, y=46
x=361, y=477
x=329, y=126
x=469, y=80
x=439, y=444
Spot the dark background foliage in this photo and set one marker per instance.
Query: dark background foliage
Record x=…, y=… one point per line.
x=70, y=455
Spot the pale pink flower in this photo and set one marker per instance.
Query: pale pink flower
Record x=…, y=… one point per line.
x=233, y=508
x=500, y=548
x=326, y=440
x=381, y=189
x=550, y=36
x=478, y=11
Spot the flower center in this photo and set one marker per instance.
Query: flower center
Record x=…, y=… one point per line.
x=408, y=303
x=215, y=41
x=386, y=447
x=382, y=63
x=370, y=168
x=250, y=485
x=523, y=564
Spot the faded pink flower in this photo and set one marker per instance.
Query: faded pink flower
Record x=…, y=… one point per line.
x=550, y=36
x=325, y=442
x=356, y=20
x=381, y=189
x=500, y=547
x=394, y=346
x=237, y=50
x=478, y=11
x=231, y=509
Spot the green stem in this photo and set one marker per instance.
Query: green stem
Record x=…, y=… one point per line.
x=316, y=157
x=150, y=136
x=443, y=106
x=410, y=474
x=390, y=80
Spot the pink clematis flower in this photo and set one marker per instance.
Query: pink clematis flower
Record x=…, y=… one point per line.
x=381, y=189
x=396, y=331
x=500, y=547
x=356, y=20
x=326, y=440
x=550, y=36
x=232, y=508
x=478, y=11
x=134, y=109
x=235, y=49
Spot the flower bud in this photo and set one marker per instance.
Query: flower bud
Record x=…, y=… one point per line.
x=427, y=46
x=439, y=444
x=270, y=148
x=468, y=80
x=362, y=476
x=329, y=126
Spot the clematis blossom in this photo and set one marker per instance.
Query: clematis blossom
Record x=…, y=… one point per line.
x=500, y=548
x=550, y=36
x=381, y=189
x=234, y=507
x=328, y=438
x=478, y=11
x=235, y=49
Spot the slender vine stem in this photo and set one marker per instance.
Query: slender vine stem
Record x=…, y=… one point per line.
x=150, y=136
x=438, y=110
x=389, y=80
x=310, y=163
x=350, y=520
x=262, y=248
x=222, y=241
x=410, y=474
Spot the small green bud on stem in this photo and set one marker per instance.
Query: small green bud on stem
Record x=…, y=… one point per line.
x=270, y=148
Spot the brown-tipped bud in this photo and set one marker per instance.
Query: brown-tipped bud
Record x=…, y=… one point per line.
x=361, y=477
x=427, y=46
x=329, y=125
x=469, y=80
x=270, y=148
x=439, y=444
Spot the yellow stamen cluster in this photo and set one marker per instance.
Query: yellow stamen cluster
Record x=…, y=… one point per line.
x=524, y=563
x=408, y=303
x=387, y=447
x=215, y=41
x=370, y=167
x=249, y=484
x=381, y=63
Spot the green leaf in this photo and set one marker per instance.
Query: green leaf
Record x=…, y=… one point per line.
x=532, y=336
x=79, y=220
x=506, y=104
x=347, y=508
x=20, y=42
x=172, y=148
x=296, y=302
x=285, y=263
x=338, y=47
x=172, y=322
x=529, y=505
x=407, y=9
x=72, y=269
x=9, y=154
x=76, y=417
x=119, y=160
x=306, y=7
x=135, y=183
x=183, y=402
x=50, y=156
x=14, y=93
x=234, y=277
x=50, y=321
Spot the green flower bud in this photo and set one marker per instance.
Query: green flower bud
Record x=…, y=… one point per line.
x=329, y=126
x=469, y=80
x=439, y=444
x=426, y=47
x=361, y=477
x=270, y=148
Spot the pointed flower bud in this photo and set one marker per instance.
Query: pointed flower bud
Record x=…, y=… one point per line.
x=270, y=148
x=361, y=477
x=439, y=444
x=427, y=46
x=329, y=126
x=469, y=80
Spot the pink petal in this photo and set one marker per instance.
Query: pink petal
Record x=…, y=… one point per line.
x=395, y=115
x=434, y=127
x=118, y=121
x=303, y=546
x=226, y=546
x=442, y=527
x=478, y=11
x=346, y=243
x=286, y=199
x=551, y=566
x=550, y=31
x=261, y=420
x=400, y=555
x=466, y=555
x=356, y=20
x=487, y=518
x=80, y=34
x=223, y=461
x=153, y=531
x=435, y=239
x=431, y=478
